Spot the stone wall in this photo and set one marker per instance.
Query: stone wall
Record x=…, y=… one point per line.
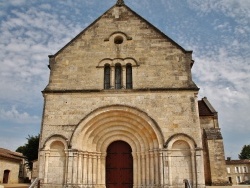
x=174, y=112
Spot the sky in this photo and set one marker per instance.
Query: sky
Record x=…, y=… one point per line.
x=218, y=32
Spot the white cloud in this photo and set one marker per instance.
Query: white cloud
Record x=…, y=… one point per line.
x=27, y=38
x=19, y=117
x=46, y=6
x=18, y=2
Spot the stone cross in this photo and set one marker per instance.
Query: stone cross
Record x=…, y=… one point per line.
x=120, y=2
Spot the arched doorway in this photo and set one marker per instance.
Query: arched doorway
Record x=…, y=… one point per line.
x=6, y=176
x=119, y=165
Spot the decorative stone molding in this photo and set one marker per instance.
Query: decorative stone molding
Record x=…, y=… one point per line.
x=122, y=61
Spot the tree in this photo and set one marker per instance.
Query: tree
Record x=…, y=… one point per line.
x=245, y=152
x=30, y=149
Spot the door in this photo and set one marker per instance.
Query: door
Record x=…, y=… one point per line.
x=6, y=176
x=119, y=165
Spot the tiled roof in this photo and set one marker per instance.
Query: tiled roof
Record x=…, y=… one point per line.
x=205, y=108
x=4, y=153
x=244, y=161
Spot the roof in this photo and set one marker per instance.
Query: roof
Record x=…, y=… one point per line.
x=120, y=3
x=205, y=108
x=4, y=153
x=243, y=161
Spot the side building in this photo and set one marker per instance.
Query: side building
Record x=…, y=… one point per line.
x=212, y=143
x=12, y=168
x=238, y=171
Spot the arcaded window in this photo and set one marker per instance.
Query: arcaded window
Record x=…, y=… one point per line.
x=107, y=76
x=118, y=76
x=129, y=76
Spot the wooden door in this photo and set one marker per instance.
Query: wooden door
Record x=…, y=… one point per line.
x=119, y=165
x=6, y=176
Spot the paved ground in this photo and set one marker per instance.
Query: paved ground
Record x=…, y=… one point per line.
x=15, y=185
x=27, y=185
x=234, y=186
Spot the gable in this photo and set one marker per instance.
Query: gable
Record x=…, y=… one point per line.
x=125, y=16
x=121, y=36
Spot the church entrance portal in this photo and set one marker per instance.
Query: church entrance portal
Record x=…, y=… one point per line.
x=119, y=165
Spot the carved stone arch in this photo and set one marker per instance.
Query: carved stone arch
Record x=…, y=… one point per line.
x=117, y=33
x=103, y=146
x=181, y=158
x=55, y=148
x=132, y=61
x=108, y=121
x=122, y=61
x=180, y=136
x=53, y=138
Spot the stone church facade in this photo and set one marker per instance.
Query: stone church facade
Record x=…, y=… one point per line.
x=121, y=111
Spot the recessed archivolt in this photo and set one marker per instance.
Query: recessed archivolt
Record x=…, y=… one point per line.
x=102, y=147
x=122, y=122
x=122, y=61
x=113, y=123
x=180, y=137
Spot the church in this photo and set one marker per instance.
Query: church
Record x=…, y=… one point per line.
x=121, y=111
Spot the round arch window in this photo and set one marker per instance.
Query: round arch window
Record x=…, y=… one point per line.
x=118, y=40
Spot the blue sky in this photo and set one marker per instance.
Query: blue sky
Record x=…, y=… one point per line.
x=218, y=32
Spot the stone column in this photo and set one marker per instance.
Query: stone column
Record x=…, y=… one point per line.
x=147, y=168
x=151, y=168
x=103, y=169
x=85, y=169
x=156, y=169
x=112, y=77
x=66, y=166
x=143, y=169
x=80, y=166
x=98, y=175
x=75, y=168
x=139, y=177
x=47, y=154
x=200, y=168
x=94, y=170
x=193, y=168
x=135, y=175
x=90, y=169
x=124, y=77
x=70, y=167
x=161, y=167
x=169, y=168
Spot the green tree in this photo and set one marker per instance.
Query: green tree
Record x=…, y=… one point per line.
x=30, y=149
x=245, y=152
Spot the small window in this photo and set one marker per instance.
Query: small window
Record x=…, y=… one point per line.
x=238, y=179
x=237, y=169
x=118, y=40
x=245, y=169
x=107, y=76
x=118, y=76
x=129, y=76
x=228, y=170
